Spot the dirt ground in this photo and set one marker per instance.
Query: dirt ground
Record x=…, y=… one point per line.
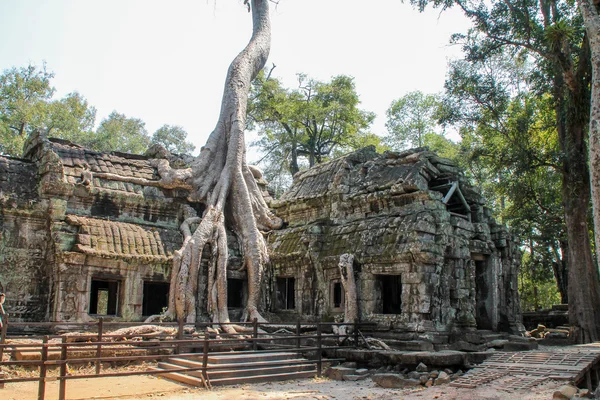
x=145, y=387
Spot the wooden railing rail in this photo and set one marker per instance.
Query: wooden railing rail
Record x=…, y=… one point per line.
x=173, y=344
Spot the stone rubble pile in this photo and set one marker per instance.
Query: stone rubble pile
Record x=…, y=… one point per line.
x=394, y=376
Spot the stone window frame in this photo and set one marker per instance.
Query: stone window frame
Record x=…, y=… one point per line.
x=154, y=281
x=286, y=298
x=118, y=294
x=332, y=285
x=381, y=278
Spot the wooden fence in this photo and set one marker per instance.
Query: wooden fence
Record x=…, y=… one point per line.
x=310, y=340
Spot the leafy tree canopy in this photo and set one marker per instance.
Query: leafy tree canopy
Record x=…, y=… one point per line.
x=410, y=119
x=172, y=138
x=309, y=123
x=24, y=96
x=118, y=132
x=27, y=104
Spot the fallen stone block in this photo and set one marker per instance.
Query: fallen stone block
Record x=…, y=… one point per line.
x=394, y=381
x=442, y=379
x=338, y=373
x=421, y=368
x=565, y=392
x=496, y=344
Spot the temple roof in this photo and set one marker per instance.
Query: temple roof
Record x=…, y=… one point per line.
x=368, y=170
x=124, y=240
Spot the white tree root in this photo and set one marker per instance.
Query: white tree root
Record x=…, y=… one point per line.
x=346, y=266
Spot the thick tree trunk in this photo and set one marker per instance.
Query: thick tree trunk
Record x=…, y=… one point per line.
x=587, y=302
x=221, y=179
x=584, y=293
x=294, y=168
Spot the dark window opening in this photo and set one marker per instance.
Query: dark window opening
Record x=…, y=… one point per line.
x=156, y=297
x=104, y=297
x=337, y=291
x=235, y=293
x=388, y=294
x=286, y=293
x=483, y=298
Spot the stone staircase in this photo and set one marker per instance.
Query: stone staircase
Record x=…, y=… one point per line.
x=236, y=368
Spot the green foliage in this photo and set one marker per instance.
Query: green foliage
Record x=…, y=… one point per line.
x=537, y=287
x=172, y=138
x=309, y=124
x=120, y=133
x=443, y=146
x=520, y=98
x=24, y=96
x=70, y=118
x=26, y=104
x=410, y=119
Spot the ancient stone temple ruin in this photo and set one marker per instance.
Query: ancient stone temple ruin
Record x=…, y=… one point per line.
x=85, y=234
x=428, y=255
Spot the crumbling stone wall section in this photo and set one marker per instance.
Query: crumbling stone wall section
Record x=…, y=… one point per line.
x=24, y=238
x=428, y=256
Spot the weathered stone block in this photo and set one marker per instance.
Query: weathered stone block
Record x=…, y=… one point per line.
x=394, y=381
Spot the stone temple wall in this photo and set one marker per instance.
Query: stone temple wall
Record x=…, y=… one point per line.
x=86, y=234
x=25, y=264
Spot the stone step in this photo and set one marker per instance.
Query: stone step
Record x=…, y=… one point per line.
x=181, y=377
x=245, y=358
x=240, y=373
x=264, y=378
x=197, y=363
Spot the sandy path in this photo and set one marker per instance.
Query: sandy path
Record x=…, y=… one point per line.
x=145, y=387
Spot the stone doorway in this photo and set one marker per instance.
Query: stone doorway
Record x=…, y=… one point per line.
x=156, y=297
x=236, y=289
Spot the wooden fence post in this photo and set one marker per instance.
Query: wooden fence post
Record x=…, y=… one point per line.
x=179, y=334
x=99, y=348
x=319, y=352
x=355, y=333
x=42, y=382
x=205, y=355
x=298, y=340
x=62, y=389
x=254, y=334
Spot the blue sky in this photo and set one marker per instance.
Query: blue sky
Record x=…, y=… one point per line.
x=165, y=61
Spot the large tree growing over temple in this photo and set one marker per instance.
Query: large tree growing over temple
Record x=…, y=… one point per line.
x=221, y=179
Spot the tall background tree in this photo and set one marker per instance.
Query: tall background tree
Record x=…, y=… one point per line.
x=550, y=33
x=309, y=123
x=410, y=119
x=591, y=19
x=172, y=138
x=27, y=104
x=24, y=96
x=119, y=132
